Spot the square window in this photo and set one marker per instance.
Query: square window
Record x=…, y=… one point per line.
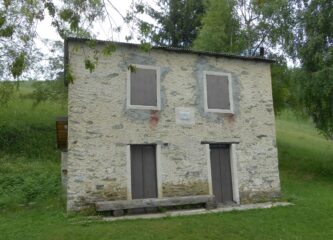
x=143, y=88
x=218, y=92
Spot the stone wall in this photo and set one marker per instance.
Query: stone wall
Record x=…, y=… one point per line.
x=101, y=127
x=64, y=169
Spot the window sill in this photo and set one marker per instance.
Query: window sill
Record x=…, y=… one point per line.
x=220, y=111
x=140, y=107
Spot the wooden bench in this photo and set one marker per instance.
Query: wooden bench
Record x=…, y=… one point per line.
x=118, y=207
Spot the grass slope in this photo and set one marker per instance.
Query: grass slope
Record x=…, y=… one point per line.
x=29, y=161
x=31, y=208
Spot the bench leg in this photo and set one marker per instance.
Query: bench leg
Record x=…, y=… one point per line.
x=210, y=205
x=151, y=210
x=118, y=213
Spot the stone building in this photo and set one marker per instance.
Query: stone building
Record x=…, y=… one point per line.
x=168, y=123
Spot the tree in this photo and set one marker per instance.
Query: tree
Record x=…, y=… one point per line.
x=266, y=23
x=221, y=28
x=75, y=18
x=19, y=54
x=18, y=20
x=315, y=50
x=54, y=91
x=243, y=26
x=177, y=22
x=281, y=88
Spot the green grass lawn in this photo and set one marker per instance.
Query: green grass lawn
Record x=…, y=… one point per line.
x=30, y=194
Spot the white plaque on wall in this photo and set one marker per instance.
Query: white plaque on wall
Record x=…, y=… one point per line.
x=185, y=116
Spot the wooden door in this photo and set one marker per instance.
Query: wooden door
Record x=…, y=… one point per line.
x=221, y=173
x=143, y=171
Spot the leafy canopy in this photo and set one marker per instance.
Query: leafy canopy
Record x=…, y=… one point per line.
x=221, y=29
x=315, y=50
x=75, y=18
x=176, y=22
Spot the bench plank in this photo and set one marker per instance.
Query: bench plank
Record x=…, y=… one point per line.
x=153, y=202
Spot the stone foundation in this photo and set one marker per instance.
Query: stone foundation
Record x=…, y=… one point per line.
x=185, y=189
x=258, y=197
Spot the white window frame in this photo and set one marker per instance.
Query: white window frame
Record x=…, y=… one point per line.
x=231, y=110
x=158, y=88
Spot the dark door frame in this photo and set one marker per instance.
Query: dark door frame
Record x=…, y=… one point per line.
x=233, y=165
x=158, y=169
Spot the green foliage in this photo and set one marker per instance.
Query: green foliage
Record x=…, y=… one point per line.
x=7, y=3
x=287, y=89
x=109, y=49
x=54, y=91
x=7, y=90
x=266, y=23
x=315, y=50
x=315, y=46
x=70, y=16
x=318, y=99
x=145, y=28
x=16, y=44
x=132, y=68
x=7, y=32
x=18, y=21
x=296, y=92
x=18, y=65
x=245, y=26
x=51, y=8
x=91, y=44
x=28, y=131
x=146, y=47
x=177, y=22
x=220, y=32
x=69, y=78
x=25, y=184
x=302, y=150
x=89, y=65
x=280, y=86
x=29, y=160
x=2, y=21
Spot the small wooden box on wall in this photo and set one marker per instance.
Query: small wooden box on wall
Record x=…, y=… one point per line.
x=62, y=132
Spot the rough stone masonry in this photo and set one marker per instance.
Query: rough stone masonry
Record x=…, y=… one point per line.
x=101, y=127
